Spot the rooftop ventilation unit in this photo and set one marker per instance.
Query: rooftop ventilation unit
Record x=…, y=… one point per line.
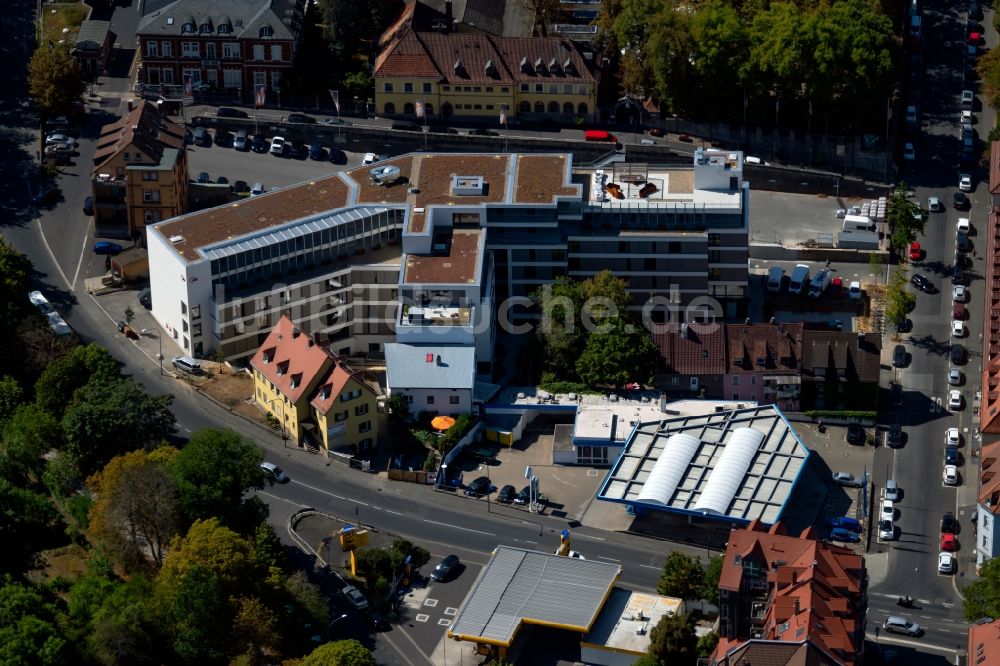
x=467, y=186
x=177, y=239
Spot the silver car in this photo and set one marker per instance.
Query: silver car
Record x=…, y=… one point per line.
x=846, y=479
x=898, y=624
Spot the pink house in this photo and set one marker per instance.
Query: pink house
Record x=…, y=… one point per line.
x=764, y=363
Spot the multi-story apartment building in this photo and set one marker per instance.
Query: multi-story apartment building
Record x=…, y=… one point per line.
x=786, y=590
x=233, y=45
x=314, y=396
x=476, y=75
x=140, y=173
x=479, y=234
x=764, y=363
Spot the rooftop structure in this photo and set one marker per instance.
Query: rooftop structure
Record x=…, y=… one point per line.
x=731, y=464
x=989, y=414
x=624, y=624
x=774, y=653
x=984, y=643
x=519, y=586
x=843, y=356
x=788, y=589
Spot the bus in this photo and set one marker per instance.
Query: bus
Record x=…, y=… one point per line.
x=599, y=135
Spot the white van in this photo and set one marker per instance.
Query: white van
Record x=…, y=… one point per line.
x=256, y=190
x=820, y=283
x=187, y=364
x=774, y=278
x=859, y=223
x=799, y=279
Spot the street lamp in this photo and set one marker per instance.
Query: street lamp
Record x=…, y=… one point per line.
x=147, y=332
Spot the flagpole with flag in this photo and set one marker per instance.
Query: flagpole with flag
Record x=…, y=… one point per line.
x=421, y=113
x=261, y=97
x=503, y=121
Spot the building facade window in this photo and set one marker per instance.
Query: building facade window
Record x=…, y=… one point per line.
x=276, y=52
x=430, y=400
x=427, y=88
x=151, y=50
x=259, y=79
x=231, y=78
x=190, y=50
x=150, y=175
x=387, y=87
x=151, y=196
x=453, y=400
x=168, y=76
x=230, y=50
x=258, y=51
x=364, y=426
x=407, y=87
x=361, y=410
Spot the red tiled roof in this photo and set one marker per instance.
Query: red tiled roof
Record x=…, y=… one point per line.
x=145, y=128
x=779, y=345
x=995, y=167
x=857, y=355
x=406, y=56
x=692, y=349
x=984, y=643
x=989, y=476
x=290, y=359
x=333, y=385
x=989, y=413
x=814, y=587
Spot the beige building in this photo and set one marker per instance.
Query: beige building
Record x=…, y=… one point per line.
x=472, y=75
x=140, y=173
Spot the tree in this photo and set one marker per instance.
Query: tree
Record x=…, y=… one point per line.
x=906, y=218
x=673, y=640
x=398, y=407
x=213, y=473
x=107, y=419
x=898, y=301
x=111, y=617
x=55, y=80
x=624, y=354
x=710, y=581
x=15, y=281
x=27, y=523
x=135, y=510
x=353, y=24
x=29, y=628
x=11, y=395
x=707, y=644
x=981, y=598
x=28, y=434
x=543, y=12
x=340, y=653
x=682, y=577
x=56, y=388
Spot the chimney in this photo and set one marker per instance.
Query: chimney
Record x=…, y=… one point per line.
x=747, y=322
x=772, y=321
x=448, y=17
x=861, y=340
x=663, y=402
x=439, y=359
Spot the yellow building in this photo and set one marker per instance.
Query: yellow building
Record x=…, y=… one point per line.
x=140, y=173
x=315, y=397
x=467, y=75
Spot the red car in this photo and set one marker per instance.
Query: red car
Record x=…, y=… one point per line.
x=915, y=251
x=975, y=38
x=837, y=287
x=656, y=131
x=958, y=312
x=949, y=542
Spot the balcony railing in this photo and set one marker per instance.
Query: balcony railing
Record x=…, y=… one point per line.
x=436, y=316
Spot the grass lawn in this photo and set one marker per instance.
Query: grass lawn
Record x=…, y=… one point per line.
x=63, y=15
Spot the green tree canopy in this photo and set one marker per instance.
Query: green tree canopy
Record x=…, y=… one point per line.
x=625, y=354
x=981, y=598
x=29, y=628
x=28, y=523
x=673, y=641
x=15, y=281
x=28, y=434
x=56, y=388
x=109, y=418
x=340, y=653
x=55, y=80
x=898, y=301
x=112, y=618
x=213, y=472
x=11, y=395
x=906, y=218
x=682, y=577
x=710, y=583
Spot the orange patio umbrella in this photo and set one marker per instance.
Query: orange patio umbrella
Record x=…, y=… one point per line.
x=442, y=422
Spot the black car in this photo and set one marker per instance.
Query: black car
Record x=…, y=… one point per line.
x=88, y=206
x=894, y=438
x=146, y=298
x=899, y=356
x=855, y=434
x=483, y=132
x=479, y=486
x=506, y=494
x=524, y=496
x=957, y=354
x=260, y=144
x=203, y=177
x=950, y=455
x=962, y=243
x=46, y=193
x=336, y=121
x=921, y=282
x=957, y=274
x=975, y=12
x=240, y=187
x=316, y=151
x=896, y=394
x=446, y=569
x=904, y=326
x=406, y=125
x=301, y=118
x=228, y=112
x=948, y=524
x=444, y=130
x=961, y=201
x=223, y=137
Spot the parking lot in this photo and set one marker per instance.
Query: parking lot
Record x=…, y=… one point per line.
x=795, y=219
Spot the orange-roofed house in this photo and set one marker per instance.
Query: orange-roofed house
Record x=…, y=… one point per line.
x=793, y=590
x=303, y=387
x=345, y=411
x=984, y=643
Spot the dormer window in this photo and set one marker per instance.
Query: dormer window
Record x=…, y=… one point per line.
x=225, y=29
x=205, y=27
x=324, y=393
x=539, y=66
x=268, y=355
x=296, y=380
x=266, y=31
x=526, y=66
x=282, y=368
x=188, y=26
x=569, y=67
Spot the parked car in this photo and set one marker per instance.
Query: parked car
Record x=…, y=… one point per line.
x=916, y=253
x=961, y=202
x=146, y=298
x=506, y=494
x=316, y=151
x=954, y=376
x=107, y=247
x=240, y=142
x=949, y=525
x=369, y=158
x=239, y=187
x=909, y=152
x=964, y=182
x=886, y=529
x=273, y=473
x=53, y=139
x=958, y=327
x=950, y=475
x=46, y=193
x=336, y=121
x=445, y=569
x=524, y=496
x=479, y=486
x=952, y=437
x=894, y=436
x=301, y=118
x=954, y=399
x=957, y=354
x=483, y=132
x=88, y=205
x=923, y=283
x=899, y=356
x=354, y=596
x=946, y=563
x=846, y=479
x=896, y=394
x=949, y=542
x=203, y=177
x=892, y=491
x=277, y=146
x=259, y=144
x=934, y=204
x=887, y=510
x=845, y=536
x=950, y=455
x=844, y=522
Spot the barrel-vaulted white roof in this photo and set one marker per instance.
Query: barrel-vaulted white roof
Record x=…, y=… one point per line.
x=729, y=472
x=669, y=468
x=733, y=464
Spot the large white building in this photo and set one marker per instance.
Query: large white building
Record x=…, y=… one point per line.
x=425, y=248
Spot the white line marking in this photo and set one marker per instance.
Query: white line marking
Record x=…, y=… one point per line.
x=464, y=529
x=609, y=559
x=397, y=513
x=52, y=256
x=584, y=536
x=325, y=492
x=650, y=566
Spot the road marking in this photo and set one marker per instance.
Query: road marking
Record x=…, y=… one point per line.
x=79, y=263
x=422, y=617
x=610, y=559
x=397, y=513
x=295, y=504
x=650, y=566
x=451, y=611
x=430, y=603
x=444, y=622
x=885, y=638
x=52, y=256
x=584, y=536
x=534, y=543
x=325, y=492
x=464, y=529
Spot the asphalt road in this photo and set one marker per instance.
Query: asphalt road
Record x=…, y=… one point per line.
x=917, y=467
